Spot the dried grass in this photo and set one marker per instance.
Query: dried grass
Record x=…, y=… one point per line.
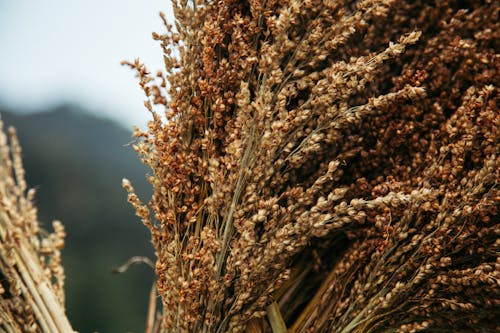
x=324, y=166
x=31, y=275
x=338, y=160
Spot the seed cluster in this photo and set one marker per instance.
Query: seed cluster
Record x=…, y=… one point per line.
x=338, y=158
x=31, y=274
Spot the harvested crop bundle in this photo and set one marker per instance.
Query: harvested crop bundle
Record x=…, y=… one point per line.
x=317, y=166
x=326, y=166
x=31, y=274
x=331, y=166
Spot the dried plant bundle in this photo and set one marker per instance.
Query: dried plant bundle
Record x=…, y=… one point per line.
x=317, y=166
x=325, y=166
x=31, y=274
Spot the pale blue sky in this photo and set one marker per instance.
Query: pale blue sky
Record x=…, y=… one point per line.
x=54, y=51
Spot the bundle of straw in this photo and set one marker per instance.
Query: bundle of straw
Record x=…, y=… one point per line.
x=321, y=166
x=31, y=275
x=325, y=166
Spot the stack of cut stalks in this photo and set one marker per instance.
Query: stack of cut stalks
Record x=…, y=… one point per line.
x=325, y=166
x=322, y=166
x=31, y=275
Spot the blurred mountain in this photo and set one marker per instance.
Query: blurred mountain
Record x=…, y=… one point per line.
x=76, y=162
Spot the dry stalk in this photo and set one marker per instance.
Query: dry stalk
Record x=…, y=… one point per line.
x=360, y=135
x=31, y=275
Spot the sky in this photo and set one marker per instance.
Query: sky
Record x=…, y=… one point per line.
x=69, y=51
